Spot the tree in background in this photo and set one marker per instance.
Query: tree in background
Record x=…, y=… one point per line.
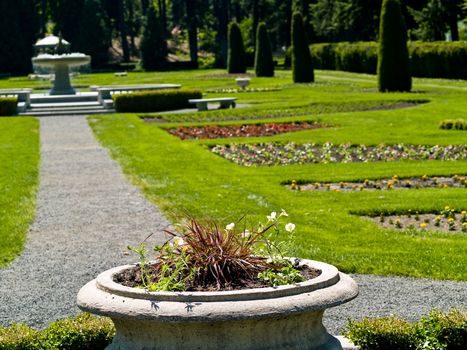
x=302, y=65
x=153, y=43
x=94, y=37
x=436, y=18
x=393, y=55
x=192, y=24
x=264, y=64
x=236, y=54
x=221, y=10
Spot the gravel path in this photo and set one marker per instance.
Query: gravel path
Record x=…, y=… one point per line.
x=87, y=214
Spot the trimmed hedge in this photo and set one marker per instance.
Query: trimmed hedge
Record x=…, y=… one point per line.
x=236, y=60
x=7, y=105
x=264, y=64
x=83, y=332
x=302, y=63
x=457, y=124
x=434, y=332
x=427, y=60
x=155, y=100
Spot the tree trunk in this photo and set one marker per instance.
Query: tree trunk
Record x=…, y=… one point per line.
x=222, y=10
x=255, y=21
x=192, y=30
x=144, y=6
x=123, y=32
x=43, y=17
x=288, y=19
x=163, y=17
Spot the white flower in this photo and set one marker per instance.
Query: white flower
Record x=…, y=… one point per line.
x=230, y=226
x=272, y=217
x=246, y=233
x=178, y=241
x=290, y=227
x=283, y=213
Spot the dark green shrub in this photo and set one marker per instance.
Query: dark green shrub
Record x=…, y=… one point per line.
x=324, y=55
x=356, y=57
x=155, y=101
x=444, y=331
x=302, y=65
x=236, y=62
x=83, y=332
x=8, y=105
x=386, y=333
x=153, y=44
x=437, y=331
x=264, y=64
x=393, y=54
x=19, y=337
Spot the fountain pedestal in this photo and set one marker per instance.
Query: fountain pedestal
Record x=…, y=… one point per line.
x=60, y=64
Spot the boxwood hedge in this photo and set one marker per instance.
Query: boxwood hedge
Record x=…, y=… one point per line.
x=7, y=106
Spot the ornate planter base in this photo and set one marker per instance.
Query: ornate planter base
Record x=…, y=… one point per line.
x=286, y=317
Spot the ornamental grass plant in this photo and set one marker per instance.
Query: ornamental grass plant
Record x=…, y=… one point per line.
x=205, y=256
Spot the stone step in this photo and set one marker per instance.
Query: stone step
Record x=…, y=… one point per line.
x=59, y=112
x=65, y=105
x=79, y=97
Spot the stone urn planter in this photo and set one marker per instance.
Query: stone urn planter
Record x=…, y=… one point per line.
x=243, y=82
x=287, y=317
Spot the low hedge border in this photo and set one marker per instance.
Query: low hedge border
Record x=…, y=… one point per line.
x=7, y=106
x=455, y=124
x=83, y=332
x=436, y=331
x=155, y=101
x=427, y=59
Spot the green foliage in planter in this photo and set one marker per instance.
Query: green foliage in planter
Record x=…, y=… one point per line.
x=457, y=124
x=154, y=101
x=434, y=332
x=302, y=65
x=264, y=64
x=393, y=54
x=236, y=54
x=7, y=106
x=83, y=332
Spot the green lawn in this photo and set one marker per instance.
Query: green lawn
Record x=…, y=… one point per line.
x=19, y=162
x=185, y=176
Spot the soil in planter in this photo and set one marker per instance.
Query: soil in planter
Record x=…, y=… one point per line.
x=132, y=278
x=452, y=223
x=395, y=182
x=247, y=130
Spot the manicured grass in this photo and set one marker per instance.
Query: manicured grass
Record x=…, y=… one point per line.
x=185, y=176
x=19, y=162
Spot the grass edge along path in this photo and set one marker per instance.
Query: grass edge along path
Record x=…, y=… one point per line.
x=183, y=176
x=19, y=178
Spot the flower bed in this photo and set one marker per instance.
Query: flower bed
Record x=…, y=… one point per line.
x=309, y=153
x=383, y=184
x=447, y=220
x=248, y=130
x=235, y=90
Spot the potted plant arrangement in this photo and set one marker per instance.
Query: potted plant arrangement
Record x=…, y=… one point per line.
x=215, y=287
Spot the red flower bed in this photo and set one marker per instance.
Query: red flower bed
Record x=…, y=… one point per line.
x=248, y=130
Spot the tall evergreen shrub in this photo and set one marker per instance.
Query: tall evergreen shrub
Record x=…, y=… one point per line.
x=153, y=45
x=264, y=64
x=236, y=62
x=302, y=65
x=393, y=55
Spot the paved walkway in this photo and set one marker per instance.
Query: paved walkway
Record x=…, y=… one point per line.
x=87, y=214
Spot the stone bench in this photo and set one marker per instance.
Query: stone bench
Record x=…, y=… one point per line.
x=202, y=104
x=23, y=97
x=105, y=92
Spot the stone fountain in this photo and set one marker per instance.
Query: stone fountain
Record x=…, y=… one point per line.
x=60, y=61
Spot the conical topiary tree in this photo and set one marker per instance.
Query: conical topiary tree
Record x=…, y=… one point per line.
x=264, y=64
x=236, y=62
x=302, y=65
x=153, y=45
x=393, y=55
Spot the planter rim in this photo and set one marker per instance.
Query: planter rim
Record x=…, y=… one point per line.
x=103, y=296
x=329, y=276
